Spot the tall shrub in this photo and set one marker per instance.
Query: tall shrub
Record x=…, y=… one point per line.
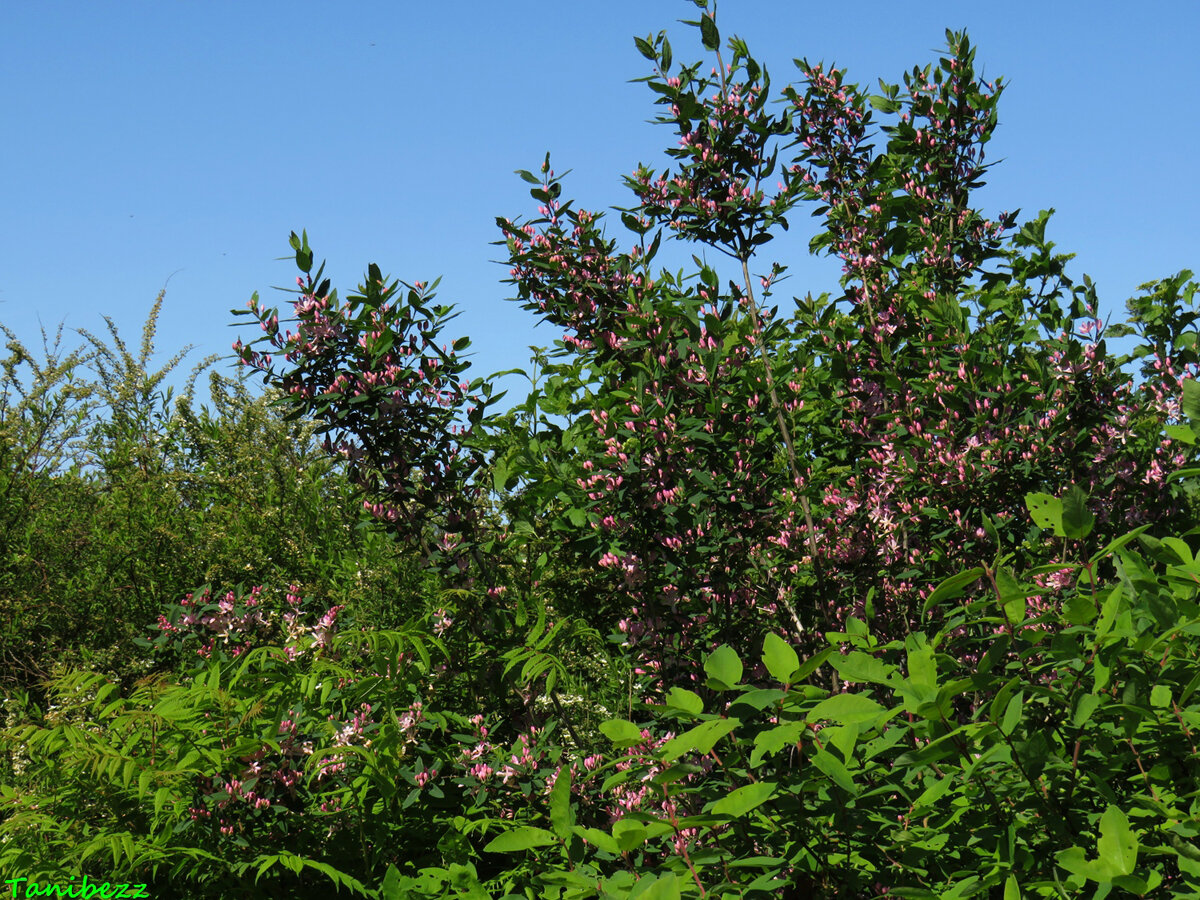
x=726, y=467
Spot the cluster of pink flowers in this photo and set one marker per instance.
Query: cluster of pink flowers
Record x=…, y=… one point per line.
x=238, y=623
x=234, y=623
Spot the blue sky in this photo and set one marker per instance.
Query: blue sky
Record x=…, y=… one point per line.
x=178, y=143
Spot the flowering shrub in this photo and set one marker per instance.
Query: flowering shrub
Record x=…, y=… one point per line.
x=727, y=471
x=741, y=467
x=920, y=498
x=204, y=778
x=1077, y=774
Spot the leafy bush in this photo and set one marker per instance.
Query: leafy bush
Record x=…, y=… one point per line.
x=1064, y=758
x=960, y=530
x=117, y=499
x=725, y=471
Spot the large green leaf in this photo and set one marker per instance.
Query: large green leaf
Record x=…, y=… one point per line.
x=700, y=739
x=846, y=709
x=1117, y=852
x=835, y=769
x=1013, y=596
x=1118, y=846
x=724, y=668
x=1012, y=713
x=1191, y=399
x=688, y=701
x=772, y=740
x=922, y=667
x=622, y=733
x=709, y=36
x=779, y=658
x=523, y=837
x=952, y=587
x=601, y=840
x=1077, y=519
x=1084, y=708
x=1046, y=512
x=741, y=800
x=562, y=813
x=862, y=668
x=629, y=834
x=661, y=887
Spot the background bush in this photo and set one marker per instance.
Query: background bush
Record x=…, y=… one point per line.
x=893, y=595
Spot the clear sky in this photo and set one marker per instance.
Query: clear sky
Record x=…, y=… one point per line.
x=148, y=142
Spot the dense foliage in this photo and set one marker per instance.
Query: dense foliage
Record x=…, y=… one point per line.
x=893, y=594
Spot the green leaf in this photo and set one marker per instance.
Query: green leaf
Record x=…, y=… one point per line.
x=1012, y=890
x=775, y=739
x=1074, y=861
x=161, y=796
x=846, y=709
x=562, y=814
x=675, y=773
x=646, y=49
x=1013, y=596
x=1046, y=512
x=709, y=36
x=1084, y=709
x=1160, y=696
x=862, y=668
x=1181, y=433
x=700, y=739
x=500, y=476
x=933, y=793
x=1180, y=549
x=524, y=837
x=952, y=587
x=760, y=699
x=1012, y=714
x=814, y=662
x=1118, y=846
x=1078, y=610
x=1191, y=399
x=661, y=887
x=189, y=759
x=1118, y=543
x=922, y=668
x=779, y=658
x=833, y=767
x=724, y=668
x=741, y=800
x=1077, y=519
x=629, y=834
x=688, y=701
x=622, y=733
x=601, y=840
x=631, y=222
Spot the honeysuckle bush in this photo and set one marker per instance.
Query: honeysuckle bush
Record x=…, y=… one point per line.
x=740, y=465
x=1074, y=773
x=1062, y=763
x=915, y=496
x=723, y=468
x=285, y=754
x=244, y=774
